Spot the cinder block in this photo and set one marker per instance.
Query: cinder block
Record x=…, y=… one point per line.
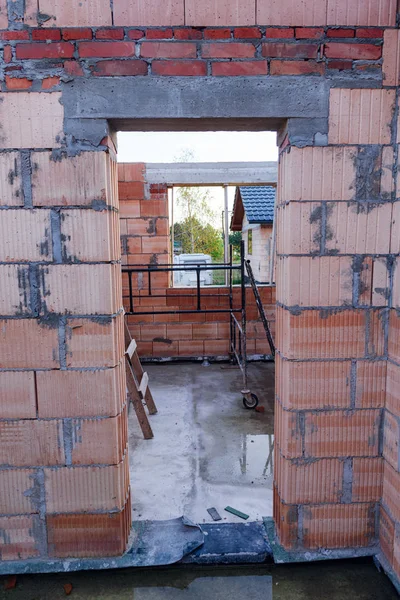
x=288, y=432
x=87, y=489
x=81, y=393
x=318, y=281
x=10, y=179
x=319, y=173
x=313, y=385
x=342, y=433
x=304, y=482
x=89, y=535
x=371, y=384
x=83, y=180
x=25, y=235
x=22, y=123
x=31, y=443
x=360, y=116
x=393, y=389
x=89, y=235
x=152, y=13
x=391, y=440
x=17, y=395
x=17, y=487
x=318, y=334
x=299, y=228
x=82, y=289
x=339, y=526
x=367, y=479
x=19, y=336
x=17, y=537
x=95, y=343
x=353, y=230
x=291, y=13
x=15, y=298
x=391, y=491
x=369, y=13
x=394, y=336
x=76, y=14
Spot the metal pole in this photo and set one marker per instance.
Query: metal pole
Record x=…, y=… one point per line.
x=172, y=234
x=244, y=335
x=226, y=228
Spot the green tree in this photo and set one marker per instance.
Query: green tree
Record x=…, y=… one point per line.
x=195, y=237
x=235, y=239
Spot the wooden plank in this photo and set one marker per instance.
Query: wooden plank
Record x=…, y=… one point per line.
x=151, y=405
x=131, y=349
x=137, y=402
x=143, y=384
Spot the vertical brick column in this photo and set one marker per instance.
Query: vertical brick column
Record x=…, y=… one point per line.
x=63, y=443
x=334, y=284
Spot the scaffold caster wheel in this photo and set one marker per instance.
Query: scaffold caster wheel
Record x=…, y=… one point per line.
x=250, y=402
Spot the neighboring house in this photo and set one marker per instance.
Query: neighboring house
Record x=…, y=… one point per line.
x=253, y=215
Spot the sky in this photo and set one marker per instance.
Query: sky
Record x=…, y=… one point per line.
x=210, y=146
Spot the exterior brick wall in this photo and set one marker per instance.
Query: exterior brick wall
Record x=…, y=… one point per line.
x=145, y=241
x=337, y=272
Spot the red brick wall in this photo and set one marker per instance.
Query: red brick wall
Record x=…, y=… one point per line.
x=145, y=240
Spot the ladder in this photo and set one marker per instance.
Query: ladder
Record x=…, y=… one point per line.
x=260, y=306
x=137, y=381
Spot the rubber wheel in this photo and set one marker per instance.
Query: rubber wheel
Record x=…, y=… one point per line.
x=250, y=405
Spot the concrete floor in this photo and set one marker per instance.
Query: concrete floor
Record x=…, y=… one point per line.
x=208, y=450
x=358, y=580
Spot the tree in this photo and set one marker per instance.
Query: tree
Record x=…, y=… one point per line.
x=235, y=239
x=197, y=237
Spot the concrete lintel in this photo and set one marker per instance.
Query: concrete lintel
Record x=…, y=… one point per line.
x=225, y=173
x=124, y=100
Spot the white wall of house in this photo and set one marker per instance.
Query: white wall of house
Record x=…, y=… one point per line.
x=261, y=251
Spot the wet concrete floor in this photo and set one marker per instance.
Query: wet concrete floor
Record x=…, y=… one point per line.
x=208, y=450
x=355, y=580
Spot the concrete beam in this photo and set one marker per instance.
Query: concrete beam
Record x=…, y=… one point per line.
x=226, y=173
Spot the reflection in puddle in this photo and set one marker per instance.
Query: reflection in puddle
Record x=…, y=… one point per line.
x=202, y=588
x=257, y=455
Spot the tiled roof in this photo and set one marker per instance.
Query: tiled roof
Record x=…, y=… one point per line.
x=258, y=202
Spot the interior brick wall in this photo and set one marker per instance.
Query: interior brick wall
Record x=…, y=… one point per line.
x=60, y=309
x=145, y=241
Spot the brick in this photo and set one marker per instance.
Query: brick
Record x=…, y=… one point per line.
x=70, y=394
x=18, y=540
x=8, y=36
x=7, y=54
x=38, y=50
x=342, y=433
x=96, y=13
x=94, y=343
x=217, y=34
x=16, y=485
x=131, y=172
x=176, y=332
x=360, y=116
x=89, y=236
x=89, y=535
x=391, y=490
x=302, y=482
x=338, y=32
x=99, y=441
x=228, y=50
x=168, y=50
x=298, y=228
x=42, y=35
x=77, y=33
x=17, y=395
x=294, y=67
x=352, y=51
x=31, y=443
x=370, y=32
x=286, y=520
x=24, y=236
x=159, y=244
x=391, y=437
x=21, y=126
x=106, y=49
x=309, y=385
x=216, y=347
x=338, y=526
x=279, y=32
x=18, y=83
x=89, y=489
x=15, y=299
x=131, y=190
x=159, y=34
x=148, y=13
x=247, y=32
x=164, y=349
x=287, y=430
x=371, y=384
x=245, y=68
x=19, y=336
x=82, y=289
x=283, y=50
x=179, y=68
x=50, y=82
x=111, y=33
x=191, y=348
x=189, y=33
x=77, y=181
x=73, y=68
x=309, y=33
x=136, y=34
x=394, y=336
x=287, y=12
x=368, y=13
x=386, y=534
x=367, y=479
x=211, y=13
x=341, y=65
